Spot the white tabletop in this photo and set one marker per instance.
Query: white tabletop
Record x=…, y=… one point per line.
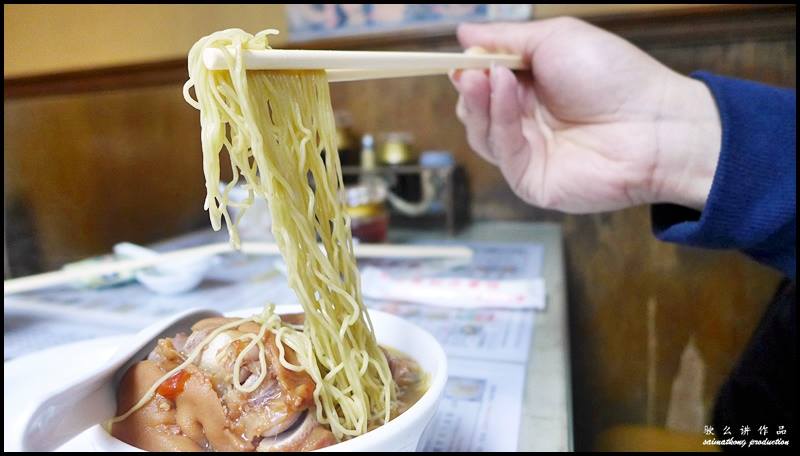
x=547, y=409
x=546, y=423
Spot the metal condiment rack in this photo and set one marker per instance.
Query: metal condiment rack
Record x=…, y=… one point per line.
x=453, y=194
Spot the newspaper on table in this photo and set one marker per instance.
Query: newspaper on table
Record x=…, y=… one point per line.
x=480, y=410
x=498, y=276
x=487, y=347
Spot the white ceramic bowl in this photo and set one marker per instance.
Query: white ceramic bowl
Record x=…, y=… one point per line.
x=402, y=433
x=168, y=278
x=256, y=223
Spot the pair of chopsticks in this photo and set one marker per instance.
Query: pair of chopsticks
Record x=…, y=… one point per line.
x=344, y=66
x=49, y=279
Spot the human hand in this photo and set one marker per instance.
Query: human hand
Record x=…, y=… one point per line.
x=596, y=125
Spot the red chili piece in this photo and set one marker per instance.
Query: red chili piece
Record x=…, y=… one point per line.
x=173, y=386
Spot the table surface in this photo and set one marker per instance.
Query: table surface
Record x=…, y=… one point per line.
x=547, y=408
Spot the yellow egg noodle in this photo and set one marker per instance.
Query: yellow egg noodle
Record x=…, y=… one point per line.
x=278, y=129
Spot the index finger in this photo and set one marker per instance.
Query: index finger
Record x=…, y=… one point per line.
x=520, y=38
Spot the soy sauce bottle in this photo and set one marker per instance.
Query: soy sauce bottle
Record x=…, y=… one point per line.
x=347, y=144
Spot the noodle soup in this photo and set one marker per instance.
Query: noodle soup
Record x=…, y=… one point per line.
x=327, y=378
x=199, y=409
x=412, y=382
x=277, y=128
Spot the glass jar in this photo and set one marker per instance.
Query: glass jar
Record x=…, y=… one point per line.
x=347, y=144
x=397, y=152
x=366, y=206
x=396, y=149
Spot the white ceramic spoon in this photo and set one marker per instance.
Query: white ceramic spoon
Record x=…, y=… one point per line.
x=169, y=278
x=52, y=422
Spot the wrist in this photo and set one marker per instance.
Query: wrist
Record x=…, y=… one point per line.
x=689, y=136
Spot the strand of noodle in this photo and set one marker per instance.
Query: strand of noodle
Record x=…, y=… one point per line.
x=340, y=396
x=237, y=365
x=221, y=352
x=189, y=360
x=254, y=340
x=267, y=112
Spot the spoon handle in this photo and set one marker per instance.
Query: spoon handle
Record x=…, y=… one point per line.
x=92, y=399
x=63, y=416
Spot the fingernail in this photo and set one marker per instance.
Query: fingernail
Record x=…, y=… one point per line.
x=475, y=50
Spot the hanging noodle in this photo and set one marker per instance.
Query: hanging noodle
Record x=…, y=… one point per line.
x=278, y=130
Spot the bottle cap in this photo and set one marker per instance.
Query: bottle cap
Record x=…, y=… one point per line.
x=367, y=142
x=436, y=159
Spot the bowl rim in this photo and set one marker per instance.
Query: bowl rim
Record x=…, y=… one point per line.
x=405, y=421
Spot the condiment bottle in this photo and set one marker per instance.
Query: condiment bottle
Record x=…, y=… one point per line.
x=347, y=144
x=396, y=152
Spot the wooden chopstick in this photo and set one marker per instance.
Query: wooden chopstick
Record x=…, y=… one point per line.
x=49, y=279
x=363, y=75
x=291, y=59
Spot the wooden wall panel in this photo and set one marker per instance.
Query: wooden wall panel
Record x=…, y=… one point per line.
x=617, y=270
x=96, y=35
x=99, y=168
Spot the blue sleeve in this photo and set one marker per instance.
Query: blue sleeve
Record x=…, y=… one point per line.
x=752, y=204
